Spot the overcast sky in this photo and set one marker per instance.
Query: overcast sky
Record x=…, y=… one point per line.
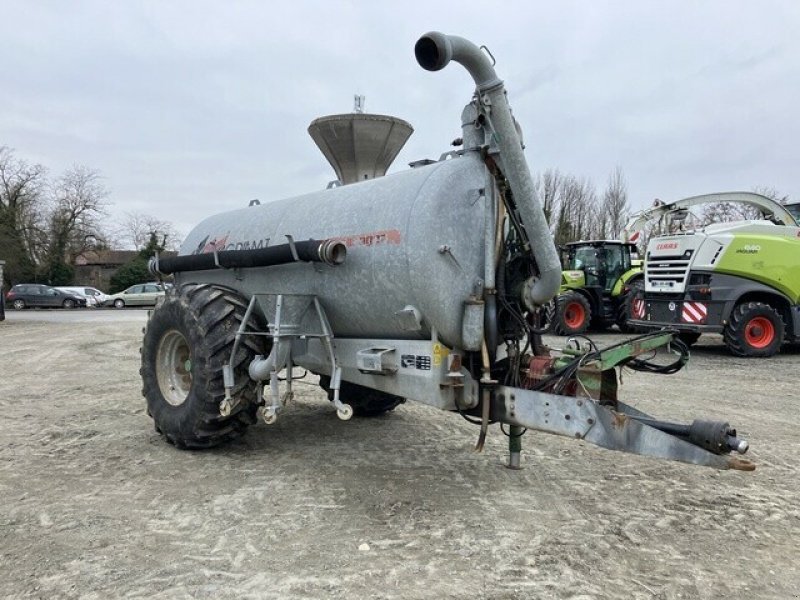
x=192, y=108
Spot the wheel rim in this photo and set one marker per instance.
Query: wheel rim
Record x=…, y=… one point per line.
x=759, y=332
x=68, y=304
x=174, y=367
x=19, y=304
x=119, y=303
x=574, y=315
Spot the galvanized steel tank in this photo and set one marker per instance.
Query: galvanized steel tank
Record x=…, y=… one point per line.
x=413, y=238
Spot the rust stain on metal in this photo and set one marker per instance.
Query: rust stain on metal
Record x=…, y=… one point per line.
x=620, y=420
x=741, y=464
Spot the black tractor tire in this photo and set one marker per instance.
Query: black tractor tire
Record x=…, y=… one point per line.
x=571, y=314
x=186, y=343
x=365, y=401
x=624, y=311
x=68, y=303
x=688, y=337
x=755, y=329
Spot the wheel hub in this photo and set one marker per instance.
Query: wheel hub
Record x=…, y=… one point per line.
x=759, y=332
x=174, y=367
x=574, y=315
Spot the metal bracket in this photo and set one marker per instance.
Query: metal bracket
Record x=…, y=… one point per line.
x=489, y=52
x=371, y=360
x=292, y=247
x=450, y=154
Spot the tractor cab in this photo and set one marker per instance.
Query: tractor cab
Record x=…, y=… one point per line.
x=602, y=262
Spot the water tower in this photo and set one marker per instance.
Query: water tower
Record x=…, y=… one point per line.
x=358, y=145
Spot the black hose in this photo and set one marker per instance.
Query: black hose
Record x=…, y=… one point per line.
x=331, y=252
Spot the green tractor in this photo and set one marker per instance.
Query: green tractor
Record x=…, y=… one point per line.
x=596, y=286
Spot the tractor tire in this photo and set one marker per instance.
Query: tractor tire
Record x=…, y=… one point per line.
x=624, y=311
x=571, y=314
x=688, y=337
x=365, y=401
x=186, y=343
x=755, y=329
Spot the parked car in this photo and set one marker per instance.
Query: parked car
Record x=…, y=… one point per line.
x=144, y=294
x=94, y=297
x=35, y=295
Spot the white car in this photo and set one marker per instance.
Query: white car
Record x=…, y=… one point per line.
x=94, y=297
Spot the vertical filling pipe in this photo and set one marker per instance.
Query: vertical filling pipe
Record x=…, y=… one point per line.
x=434, y=51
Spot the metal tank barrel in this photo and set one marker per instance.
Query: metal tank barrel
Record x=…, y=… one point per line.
x=413, y=239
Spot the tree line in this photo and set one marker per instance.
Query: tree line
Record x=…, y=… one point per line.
x=575, y=209
x=46, y=221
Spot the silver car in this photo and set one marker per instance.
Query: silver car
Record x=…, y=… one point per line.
x=143, y=294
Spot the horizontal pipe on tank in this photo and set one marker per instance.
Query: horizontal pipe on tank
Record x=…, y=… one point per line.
x=330, y=252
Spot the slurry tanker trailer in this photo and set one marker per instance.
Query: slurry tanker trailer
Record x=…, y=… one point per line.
x=424, y=285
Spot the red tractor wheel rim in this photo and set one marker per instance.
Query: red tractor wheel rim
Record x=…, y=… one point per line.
x=759, y=332
x=574, y=315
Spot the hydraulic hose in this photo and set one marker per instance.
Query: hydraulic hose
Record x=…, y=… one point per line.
x=331, y=252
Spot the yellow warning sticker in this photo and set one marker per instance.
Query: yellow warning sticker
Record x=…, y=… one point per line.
x=439, y=352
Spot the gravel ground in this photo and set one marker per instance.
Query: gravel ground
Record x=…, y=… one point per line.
x=94, y=504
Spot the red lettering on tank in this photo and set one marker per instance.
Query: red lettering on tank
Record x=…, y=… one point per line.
x=374, y=238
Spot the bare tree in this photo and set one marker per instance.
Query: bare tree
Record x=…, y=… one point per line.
x=577, y=205
x=73, y=223
x=547, y=186
x=21, y=200
x=137, y=228
x=614, y=211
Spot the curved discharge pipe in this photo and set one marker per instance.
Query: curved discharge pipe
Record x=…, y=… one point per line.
x=434, y=51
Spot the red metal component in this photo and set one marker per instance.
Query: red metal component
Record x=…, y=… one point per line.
x=759, y=332
x=539, y=369
x=574, y=315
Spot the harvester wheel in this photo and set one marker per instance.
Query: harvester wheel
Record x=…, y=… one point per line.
x=365, y=401
x=572, y=314
x=755, y=329
x=186, y=343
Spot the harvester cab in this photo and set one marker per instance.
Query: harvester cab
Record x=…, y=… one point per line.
x=420, y=285
x=596, y=282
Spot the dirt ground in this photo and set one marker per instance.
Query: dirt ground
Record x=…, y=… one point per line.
x=94, y=504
